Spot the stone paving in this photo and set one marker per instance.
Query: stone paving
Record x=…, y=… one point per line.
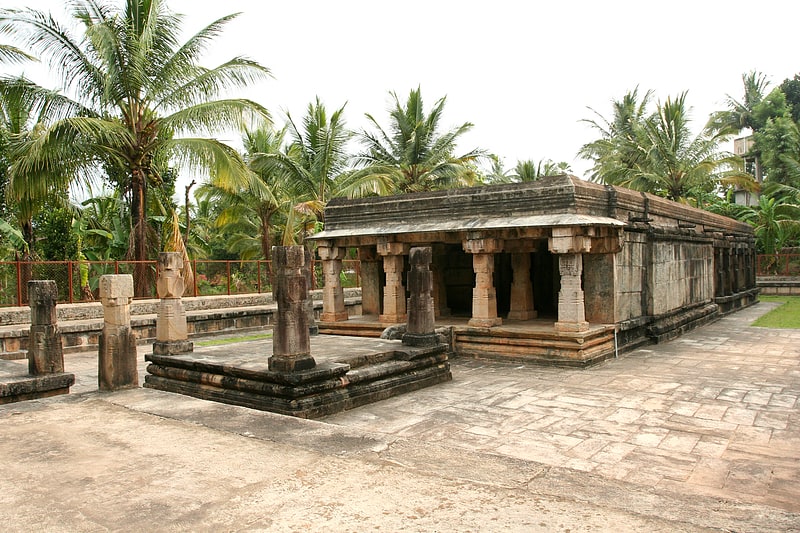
x=675, y=434
x=714, y=412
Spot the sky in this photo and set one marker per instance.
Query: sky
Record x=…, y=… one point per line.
x=524, y=73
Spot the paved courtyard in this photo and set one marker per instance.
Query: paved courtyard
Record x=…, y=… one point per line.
x=699, y=433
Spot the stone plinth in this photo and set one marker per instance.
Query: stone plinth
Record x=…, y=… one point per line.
x=171, y=331
x=117, y=368
x=291, y=348
x=421, y=319
x=45, y=353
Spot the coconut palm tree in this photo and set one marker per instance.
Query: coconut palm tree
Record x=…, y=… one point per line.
x=739, y=114
x=530, y=170
x=414, y=154
x=143, y=98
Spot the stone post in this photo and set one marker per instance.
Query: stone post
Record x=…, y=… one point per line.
x=484, y=296
x=370, y=281
x=313, y=329
x=45, y=353
x=570, y=243
x=521, y=288
x=438, y=268
x=117, y=367
x=291, y=343
x=171, y=331
x=394, y=293
x=333, y=309
x=420, y=330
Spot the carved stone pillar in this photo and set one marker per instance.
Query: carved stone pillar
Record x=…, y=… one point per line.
x=484, y=296
x=370, y=281
x=117, y=367
x=571, y=311
x=522, y=307
x=291, y=343
x=394, y=293
x=333, y=309
x=438, y=266
x=570, y=243
x=171, y=330
x=45, y=353
x=420, y=330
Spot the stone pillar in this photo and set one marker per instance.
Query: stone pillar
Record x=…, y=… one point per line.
x=117, y=367
x=370, y=281
x=45, y=353
x=571, y=311
x=438, y=266
x=308, y=305
x=484, y=296
x=570, y=243
x=521, y=288
x=420, y=330
x=171, y=330
x=394, y=293
x=291, y=343
x=333, y=309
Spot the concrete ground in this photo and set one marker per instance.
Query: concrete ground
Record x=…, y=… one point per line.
x=701, y=433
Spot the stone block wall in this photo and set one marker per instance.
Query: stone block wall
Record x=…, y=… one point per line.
x=631, y=276
x=681, y=275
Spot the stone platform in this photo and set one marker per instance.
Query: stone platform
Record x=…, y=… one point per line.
x=17, y=385
x=360, y=371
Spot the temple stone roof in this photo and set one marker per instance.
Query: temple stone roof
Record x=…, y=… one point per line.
x=549, y=202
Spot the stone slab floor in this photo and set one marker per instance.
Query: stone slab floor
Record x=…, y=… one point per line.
x=700, y=433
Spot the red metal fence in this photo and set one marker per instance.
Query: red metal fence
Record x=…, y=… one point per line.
x=778, y=265
x=210, y=277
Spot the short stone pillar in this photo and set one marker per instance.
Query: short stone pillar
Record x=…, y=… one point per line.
x=117, y=366
x=308, y=264
x=394, y=292
x=45, y=353
x=291, y=343
x=333, y=309
x=420, y=329
x=571, y=310
x=484, y=295
x=171, y=331
x=521, y=288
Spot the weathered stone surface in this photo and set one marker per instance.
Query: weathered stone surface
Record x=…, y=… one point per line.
x=421, y=319
x=171, y=329
x=169, y=283
x=308, y=304
x=45, y=352
x=291, y=348
x=117, y=364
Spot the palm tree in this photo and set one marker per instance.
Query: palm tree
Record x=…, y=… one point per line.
x=530, y=170
x=141, y=93
x=739, y=114
x=414, y=155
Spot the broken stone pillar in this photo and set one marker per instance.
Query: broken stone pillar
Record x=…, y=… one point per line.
x=370, y=281
x=521, y=288
x=117, y=368
x=308, y=264
x=45, y=353
x=171, y=331
x=394, y=293
x=420, y=330
x=571, y=310
x=291, y=344
x=484, y=296
x=333, y=309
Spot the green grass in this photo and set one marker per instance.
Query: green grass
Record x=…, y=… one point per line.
x=785, y=316
x=231, y=340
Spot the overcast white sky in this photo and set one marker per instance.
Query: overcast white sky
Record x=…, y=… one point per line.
x=522, y=72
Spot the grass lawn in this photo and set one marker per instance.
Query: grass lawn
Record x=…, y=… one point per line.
x=231, y=340
x=785, y=316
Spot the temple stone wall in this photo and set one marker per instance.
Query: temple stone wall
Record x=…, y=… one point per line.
x=681, y=275
x=631, y=276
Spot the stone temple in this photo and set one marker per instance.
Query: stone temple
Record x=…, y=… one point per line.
x=559, y=271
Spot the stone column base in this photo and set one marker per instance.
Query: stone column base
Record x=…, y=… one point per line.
x=522, y=315
x=485, y=322
x=417, y=339
x=291, y=363
x=172, y=347
x=571, y=326
x=341, y=316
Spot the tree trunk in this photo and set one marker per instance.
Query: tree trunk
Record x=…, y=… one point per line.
x=141, y=277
